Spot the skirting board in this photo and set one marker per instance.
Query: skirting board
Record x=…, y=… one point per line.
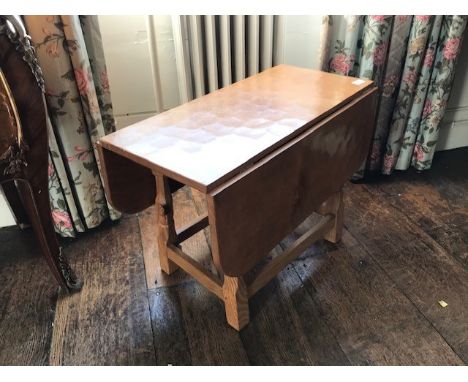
x=453, y=135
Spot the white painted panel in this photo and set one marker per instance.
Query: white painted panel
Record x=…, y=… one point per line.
x=225, y=43
x=452, y=136
x=279, y=29
x=167, y=61
x=302, y=40
x=196, y=54
x=211, y=58
x=239, y=46
x=154, y=57
x=266, y=49
x=254, y=37
x=182, y=58
x=127, y=56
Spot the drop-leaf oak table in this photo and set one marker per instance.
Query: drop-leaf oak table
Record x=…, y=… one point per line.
x=267, y=152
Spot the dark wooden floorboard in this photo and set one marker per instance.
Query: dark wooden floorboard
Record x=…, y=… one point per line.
x=435, y=200
x=28, y=293
x=444, y=222
x=108, y=322
x=416, y=263
x=286, y=327
x=372, y=320
x=169, y=335
x=370, y=300
x=211, y=340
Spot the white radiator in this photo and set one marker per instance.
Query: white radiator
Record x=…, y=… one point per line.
x=215, y=51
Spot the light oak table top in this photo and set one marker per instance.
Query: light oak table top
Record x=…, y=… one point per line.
x=206, y=141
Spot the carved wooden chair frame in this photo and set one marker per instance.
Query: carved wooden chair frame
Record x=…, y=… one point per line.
x=24, y=144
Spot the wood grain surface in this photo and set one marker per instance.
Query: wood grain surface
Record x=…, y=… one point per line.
x=204, y=142
x=107, y=323
x=287, y=186
x=28, y=295
x=417, y=264
x=287, y=325
x=373, y=322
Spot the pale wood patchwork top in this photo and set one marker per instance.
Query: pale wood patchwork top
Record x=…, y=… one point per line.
x=208, y=140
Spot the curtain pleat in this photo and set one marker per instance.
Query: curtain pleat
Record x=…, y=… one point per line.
x=407, y=133
x=410, y=77
x=448, y=49
x=69, y=51
x=412, y=60
x=396, y=55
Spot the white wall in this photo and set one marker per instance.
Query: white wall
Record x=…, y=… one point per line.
x=302, y=41
x=126, y=49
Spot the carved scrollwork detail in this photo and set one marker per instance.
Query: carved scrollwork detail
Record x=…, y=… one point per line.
x=14, y=29
x=73, y=282
x=12, y=154
x=14, y=158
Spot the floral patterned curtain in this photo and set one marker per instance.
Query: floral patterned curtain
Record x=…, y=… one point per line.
x=69, y=50
x=412, y=59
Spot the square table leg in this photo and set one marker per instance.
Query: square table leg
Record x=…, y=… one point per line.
x=334, y=205
x=236, y=302
x=166, y=232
